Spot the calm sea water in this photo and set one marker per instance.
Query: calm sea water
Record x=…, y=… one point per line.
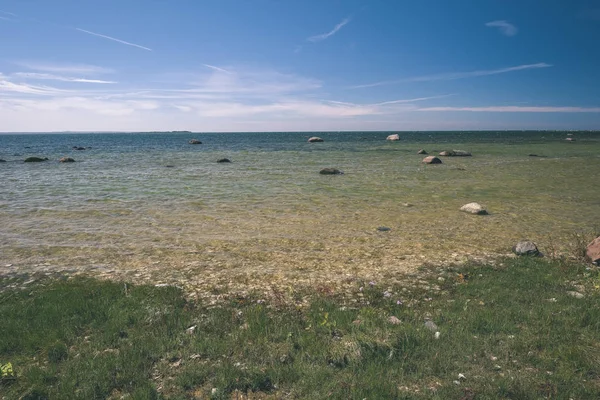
x=119, y=207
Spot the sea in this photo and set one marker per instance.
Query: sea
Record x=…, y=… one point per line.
x=150, y=207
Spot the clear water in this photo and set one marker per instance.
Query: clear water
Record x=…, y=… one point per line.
x=269, y=217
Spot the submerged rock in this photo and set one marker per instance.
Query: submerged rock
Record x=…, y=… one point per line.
x=66, y=160
x=526, y=248
x=330, y=171
x=455, y=153
x=36, y=159
x=432, y=160
x=593, y=251
x=474, y=208
x=1, y=160
x=194, y=141
x=78, y=148
x=223, y=160
x=421, y=152
x=393, y=137
x=315, y=139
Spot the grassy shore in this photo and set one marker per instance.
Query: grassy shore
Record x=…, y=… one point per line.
x=525, y=328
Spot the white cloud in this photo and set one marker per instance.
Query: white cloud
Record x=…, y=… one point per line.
x=455, y=75
x=78, y=69
x=515, y=109
x=40, y=76
x=113, y=39
x=505, y=28
x=323, y=36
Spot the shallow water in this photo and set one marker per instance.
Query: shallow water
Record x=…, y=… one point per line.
x=270, y=218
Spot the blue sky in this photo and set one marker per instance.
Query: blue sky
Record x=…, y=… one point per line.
x=275, y=65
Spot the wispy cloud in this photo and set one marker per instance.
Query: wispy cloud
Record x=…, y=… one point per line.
x=514, y=109
x=5, y=18
x=323, y=36
x=8, y=13
x=218, y=69
x=50, y=77
x=505, y=28
x=455, y=75
x=413, y=100
x=64, y=68
x=113, y=39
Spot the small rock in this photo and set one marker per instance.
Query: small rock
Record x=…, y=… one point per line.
x=456, y=382
x=474, y=208
x=78, y=148
x=421, y=152
x=191, y=330
x=455, y=153
x=383, y=229
x=431, y=160
x=497, y=367
x=429, y=324
x=570, y=139
x=592, y=251
x=169, y=166
x=407, y=205
x=394, y=321
x=330, y=171
x=194, y=141
x=461, y=377
x=223, y=160
x=66, y=160
x=1, y=160
x=315, y=139
x=393, y=137
x=575, y=294
x=36, y=159
x=525, y=248
x=437, y=335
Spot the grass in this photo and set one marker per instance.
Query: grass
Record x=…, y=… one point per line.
x=511, y=330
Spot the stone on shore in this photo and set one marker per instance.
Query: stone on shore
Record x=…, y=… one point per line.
x=330, y=171
x=315, y=139
x=393, y=137
x=593, y=251
x=36, y=159
x=432, y=160
x=526, y=248
x=474, y=208
x=223, y=160
x=421, y=152
x=66, y=160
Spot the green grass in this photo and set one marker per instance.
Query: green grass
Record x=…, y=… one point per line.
x=512, y=330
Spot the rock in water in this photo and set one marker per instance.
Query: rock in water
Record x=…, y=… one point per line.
x=36, y=159
x=432, y=160
x=455, y=153
x=223, y=160
x=570, y=139
x=78, y=148
x=194, y=141
x=593, y=251
x=1, y=160
x=315, y=139
x=330, y=171
x=66, y=160
x=421, y=152
x=525, y=248
x=393, y=137
x=474, y=208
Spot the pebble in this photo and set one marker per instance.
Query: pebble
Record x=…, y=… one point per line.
x=394, y=320
x=437, y=335
x=191, y=330
x=577, y=295
x=431, y=326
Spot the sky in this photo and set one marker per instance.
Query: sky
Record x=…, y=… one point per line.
x=299, y=65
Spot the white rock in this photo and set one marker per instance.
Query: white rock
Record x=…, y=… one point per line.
x=577, y=295
x=393, y=137
x=437, y=335
x=473, y=208
x=462, y=377
x=191, y=330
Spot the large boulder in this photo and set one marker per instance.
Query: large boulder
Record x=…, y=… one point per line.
x=66, y=160
x=330, y=171
x=315, y=139
x=593, y=251
x=474, y=208
x=36, y=159
x=432, y=160
x=194, y=141
x=393, y=137
x=526, y=248
x=455, y=153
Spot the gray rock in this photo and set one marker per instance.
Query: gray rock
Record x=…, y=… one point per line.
x=429, y=324
x=66, y=160
x=224, y=160
x=383, y=229
x=575, y=294
x=315, y=139
x=592, y=251
x=1, y=160
x=36, y=159
x=330, y=171
x=455, y=153
x=474, y=208
x=431, y=160
x=526, y=248
x=394, y=320
x=194, y=141
x=421, y=152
